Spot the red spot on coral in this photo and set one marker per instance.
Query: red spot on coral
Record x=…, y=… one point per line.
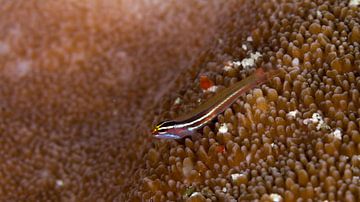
x=220, y=149
x=205, y=82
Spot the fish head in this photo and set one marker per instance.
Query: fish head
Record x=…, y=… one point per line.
x=165, y=130
x=170, y=130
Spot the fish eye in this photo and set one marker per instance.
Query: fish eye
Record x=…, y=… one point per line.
x=155, y=130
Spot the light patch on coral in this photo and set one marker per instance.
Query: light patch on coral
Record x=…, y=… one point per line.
x=337, y=133
x=227, y=67
x=22, y=68
x=317, y=118
x=249, y=38
x=293, y=113
x=318, y=14
x=244, y=47
x=59, y=183
x=223, y=128
x=295, y=62
x=177, y=101
x=236, y=176
x=248, y=158
x=275, y=197
x=224, y=189
x=212, y=89
x=354, y=2
x=249, y=62
x=236, y=63
x=195, y=194
x=4, y=48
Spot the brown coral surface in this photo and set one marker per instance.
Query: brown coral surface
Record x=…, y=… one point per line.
x=82, y=82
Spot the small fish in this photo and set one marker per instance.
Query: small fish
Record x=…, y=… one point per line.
x=188, y=124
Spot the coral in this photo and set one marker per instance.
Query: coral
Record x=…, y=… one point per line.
x=294, y=137
x=83, y=81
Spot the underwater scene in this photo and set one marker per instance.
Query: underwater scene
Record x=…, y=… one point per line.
x=180, y=100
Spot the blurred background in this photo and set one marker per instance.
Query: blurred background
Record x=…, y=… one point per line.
x=76, y=78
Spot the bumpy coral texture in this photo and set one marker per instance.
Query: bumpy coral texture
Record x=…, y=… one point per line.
x=295, y=137
x=82, y=82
